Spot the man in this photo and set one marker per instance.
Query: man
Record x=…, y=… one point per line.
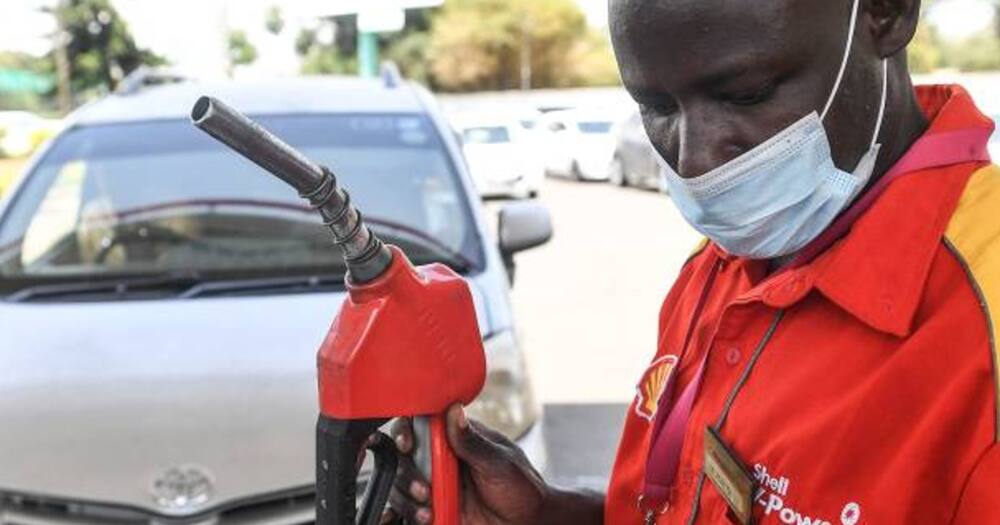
x=829, y=356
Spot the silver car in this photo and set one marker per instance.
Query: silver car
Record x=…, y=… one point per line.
x=635, y=162
x=162, y=299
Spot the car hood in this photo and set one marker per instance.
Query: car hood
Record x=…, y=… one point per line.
x=99, y=400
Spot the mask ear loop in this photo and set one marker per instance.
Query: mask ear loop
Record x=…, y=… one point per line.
x=881, y=106
x=843, y=62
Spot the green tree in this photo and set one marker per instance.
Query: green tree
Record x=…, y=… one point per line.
x=26, y=100
x=273, y=21
x=100, y=48
x=975, y=52
x=240, y=51
x=409, y=52
x=978, y=52
x=323, y=58
x=338, y=54
x=503, y=44
x=591, y=61
x=924, y=52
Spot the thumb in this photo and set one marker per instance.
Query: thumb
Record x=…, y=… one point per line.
x=469, y=445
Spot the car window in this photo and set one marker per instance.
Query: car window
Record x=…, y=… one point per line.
x=160, y=197
x=594, y=127
x=486, y=135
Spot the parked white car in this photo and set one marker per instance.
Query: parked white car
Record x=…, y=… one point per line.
x=579, y=143
x=502, y=156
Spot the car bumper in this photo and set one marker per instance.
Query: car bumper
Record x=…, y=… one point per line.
x=294, y=507
x=595, y=168
x=504, y=187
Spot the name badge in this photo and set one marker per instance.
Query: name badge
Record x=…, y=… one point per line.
x=731, y=478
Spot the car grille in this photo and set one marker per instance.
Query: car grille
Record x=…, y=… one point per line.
x=290, y=508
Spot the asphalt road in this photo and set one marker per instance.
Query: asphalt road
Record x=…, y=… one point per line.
x=581, y=440
x=587, y=306
x=587, y=303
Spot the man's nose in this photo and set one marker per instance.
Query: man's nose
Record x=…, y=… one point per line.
x=703, y=146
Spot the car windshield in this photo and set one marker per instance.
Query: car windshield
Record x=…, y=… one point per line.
x=162, y=198
x=594, y=127
x=486, y=135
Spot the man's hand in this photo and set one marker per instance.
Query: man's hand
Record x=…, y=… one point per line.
x=499, y=485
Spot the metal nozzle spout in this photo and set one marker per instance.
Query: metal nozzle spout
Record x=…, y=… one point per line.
x=365, y=255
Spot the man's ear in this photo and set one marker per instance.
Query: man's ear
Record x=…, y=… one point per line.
x=892, y=24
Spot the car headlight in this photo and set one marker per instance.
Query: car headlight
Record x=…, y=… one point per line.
x=507, y=402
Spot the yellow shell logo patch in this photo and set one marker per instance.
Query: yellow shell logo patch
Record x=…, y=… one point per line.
x=652, y=384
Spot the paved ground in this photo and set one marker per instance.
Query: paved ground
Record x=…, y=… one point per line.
x=581, y=441
x=587, y=303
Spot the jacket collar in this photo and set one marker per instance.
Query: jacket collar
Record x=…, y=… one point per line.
x=877, y=268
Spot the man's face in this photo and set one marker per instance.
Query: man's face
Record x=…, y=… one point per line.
x=715, y=78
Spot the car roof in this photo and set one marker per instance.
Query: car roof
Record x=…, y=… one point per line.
x=300, y=95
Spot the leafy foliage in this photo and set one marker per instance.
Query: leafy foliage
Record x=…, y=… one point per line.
x=240, y=51
x=100, y=47
x=273, y=21
x=26, y=100
x=480, y=44
x=924, y=52
x=977, y=52
x=323, y=58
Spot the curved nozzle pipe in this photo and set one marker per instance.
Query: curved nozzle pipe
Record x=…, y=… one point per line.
x=365, y=255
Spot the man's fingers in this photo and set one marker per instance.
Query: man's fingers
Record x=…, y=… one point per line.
x=410, y=481
x=409, y=509
x=401, y=431
x=490, y=434
x=469, y=444
x=363, y=452
x=388, y=516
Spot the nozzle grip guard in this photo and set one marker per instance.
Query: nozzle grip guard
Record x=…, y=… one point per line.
x=339, y=444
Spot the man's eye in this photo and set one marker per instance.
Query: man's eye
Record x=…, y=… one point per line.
x=750, y=97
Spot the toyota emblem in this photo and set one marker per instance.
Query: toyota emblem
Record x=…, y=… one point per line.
x=182, y=488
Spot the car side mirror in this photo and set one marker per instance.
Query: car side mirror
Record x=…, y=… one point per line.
x=522, y=226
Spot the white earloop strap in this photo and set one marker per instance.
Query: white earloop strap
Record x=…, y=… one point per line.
x=881, y=105
x=843, y=63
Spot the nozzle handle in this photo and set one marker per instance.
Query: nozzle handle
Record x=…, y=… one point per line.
x=339, y=443
x=365, y=255
x=438, y=463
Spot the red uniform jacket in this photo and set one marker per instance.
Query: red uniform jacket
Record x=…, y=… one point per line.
x=859, y=388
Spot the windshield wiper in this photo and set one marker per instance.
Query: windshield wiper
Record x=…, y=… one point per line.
x=114, y=287
x=184, y=286
x=395, y=233
x=304, y=283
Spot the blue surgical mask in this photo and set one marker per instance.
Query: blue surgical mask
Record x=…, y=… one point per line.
x=776, y=198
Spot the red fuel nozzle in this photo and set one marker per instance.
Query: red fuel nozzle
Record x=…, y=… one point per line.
x=405, y=343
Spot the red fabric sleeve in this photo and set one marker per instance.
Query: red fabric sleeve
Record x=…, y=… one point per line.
x=980, y=502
